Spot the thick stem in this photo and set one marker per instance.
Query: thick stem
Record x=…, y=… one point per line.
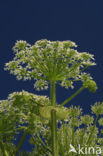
x=3, y=149
x=54, y=133
x=71, y=97
x=53, y=120
x=52, y=93
x=20, y=142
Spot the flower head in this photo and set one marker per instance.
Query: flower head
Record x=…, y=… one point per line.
x=47, y=61
x=87, y=119
x=97, y=108
x=101, y=121
x=20, y=45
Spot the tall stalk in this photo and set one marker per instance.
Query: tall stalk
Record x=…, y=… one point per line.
x=53, y=120
x=52, y=93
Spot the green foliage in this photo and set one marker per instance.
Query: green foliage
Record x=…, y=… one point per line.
x=20, y=112
x=21, y=107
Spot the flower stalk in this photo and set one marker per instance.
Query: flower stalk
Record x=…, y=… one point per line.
x=53, y=93
x=54, y=133
x=20, y=142
x=53, y=120
x=92, y=131
x=71, y=97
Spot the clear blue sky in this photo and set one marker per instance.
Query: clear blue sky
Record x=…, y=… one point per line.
x=78, y=20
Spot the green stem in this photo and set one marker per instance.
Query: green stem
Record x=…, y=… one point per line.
x=82, y=136
x=3, y=149
x=54, y=132
x=61, y=140
x=20, y=142
x=53, y=120
x=73, y=132
x=100, y=135
x=45, y=146
x=64, y=137
x=52, y=93
x=92, y=131
x=73, y=129
x=71, y=97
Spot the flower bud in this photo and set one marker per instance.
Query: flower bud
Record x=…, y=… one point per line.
x=91, y=85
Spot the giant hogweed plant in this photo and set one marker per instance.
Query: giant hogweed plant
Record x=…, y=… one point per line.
x=52, y=127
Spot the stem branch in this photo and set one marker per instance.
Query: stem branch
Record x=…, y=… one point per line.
x=71, y=97
x=20, y=142
x=45, y=146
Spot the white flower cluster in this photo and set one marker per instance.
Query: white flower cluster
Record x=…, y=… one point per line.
x=41, y=85
x=22, y=108
x=20, y=45
x=48, y=61
x=26, y=97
